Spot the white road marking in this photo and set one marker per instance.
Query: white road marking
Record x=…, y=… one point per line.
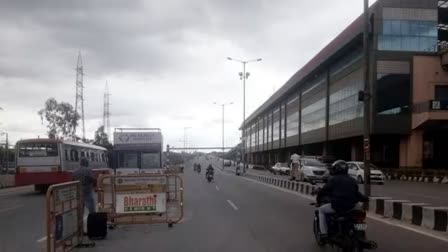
x=217, y=188
x=232, y=205
x=42, y=239
x=426, y=232
x=10, y=208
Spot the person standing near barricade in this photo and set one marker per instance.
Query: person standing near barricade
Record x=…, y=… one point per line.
x=87, y=179
x=295, y=159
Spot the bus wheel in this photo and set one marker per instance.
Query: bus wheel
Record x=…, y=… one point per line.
x=41, y=188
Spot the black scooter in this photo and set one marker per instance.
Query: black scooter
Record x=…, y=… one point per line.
x=209, y=176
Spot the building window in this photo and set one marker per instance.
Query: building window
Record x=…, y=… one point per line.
x=313, y=116
x=275, y=131
x=292, y=117
x=441, y=93
x=408, y=35
x=344, y=104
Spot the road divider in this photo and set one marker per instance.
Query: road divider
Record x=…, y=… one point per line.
x=418, y=214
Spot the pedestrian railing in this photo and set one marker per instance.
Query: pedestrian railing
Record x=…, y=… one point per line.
x=141, y=199
x=64, y=216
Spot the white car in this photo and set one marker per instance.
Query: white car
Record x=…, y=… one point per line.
x=312, y=170
x=281, y=168
x=356, y=171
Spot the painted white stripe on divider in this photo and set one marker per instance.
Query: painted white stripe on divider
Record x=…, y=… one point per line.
x=217, y=188
x=232, y=205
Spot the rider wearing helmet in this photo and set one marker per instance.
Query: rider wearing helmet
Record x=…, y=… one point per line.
x=210, y=170
x=342, y=192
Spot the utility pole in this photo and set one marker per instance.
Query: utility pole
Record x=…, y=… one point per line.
x=366, y=98
x=106, y=112
x=223, y=146
x=79, y=103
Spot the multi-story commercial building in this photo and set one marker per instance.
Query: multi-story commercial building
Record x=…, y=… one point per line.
x=317, y=112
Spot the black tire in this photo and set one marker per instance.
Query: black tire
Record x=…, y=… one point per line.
x=360, y=180
x=317, y=233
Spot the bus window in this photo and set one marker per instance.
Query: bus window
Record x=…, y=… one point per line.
x=67, y=156
x=38, y=150
x=82, y=154
x=76, y=156
x=151, y=160
x=102, y=158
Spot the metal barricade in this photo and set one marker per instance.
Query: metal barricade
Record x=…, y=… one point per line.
x=141, y=199
x=64, y=216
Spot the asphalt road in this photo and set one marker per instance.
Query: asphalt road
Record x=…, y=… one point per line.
x=418, y=192
x=236, y=214
x=230, y=214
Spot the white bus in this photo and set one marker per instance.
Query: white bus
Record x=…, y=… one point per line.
x=43, y=162
x=138, y=150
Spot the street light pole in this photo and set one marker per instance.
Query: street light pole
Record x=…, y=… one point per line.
x=244, y=76
x=223, y=146
x=366, y=100
x=7, y=149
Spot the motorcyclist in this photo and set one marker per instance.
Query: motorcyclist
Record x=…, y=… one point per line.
x=198, y=168
x=210, y=170
x=341, y=191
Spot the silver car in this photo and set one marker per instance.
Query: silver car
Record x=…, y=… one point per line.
x=312, y=170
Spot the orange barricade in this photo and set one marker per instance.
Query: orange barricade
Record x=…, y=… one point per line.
x=64, y=216
x=141, y=199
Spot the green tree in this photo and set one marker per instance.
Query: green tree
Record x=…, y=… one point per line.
x=61, y=119
x=101, y=137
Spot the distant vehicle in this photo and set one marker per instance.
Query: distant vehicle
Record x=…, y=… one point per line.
x=227, y=163
x=356, y=171
x=313, y=170
x=43, y=162
x=138, y=150
x=281, y=169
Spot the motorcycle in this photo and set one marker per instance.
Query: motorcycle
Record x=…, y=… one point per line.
x=345, y=230
x=198, y=169
x=209, y=176
x=238, y=171
x=194, y=167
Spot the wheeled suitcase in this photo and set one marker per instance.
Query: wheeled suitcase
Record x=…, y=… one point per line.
x=97, y=226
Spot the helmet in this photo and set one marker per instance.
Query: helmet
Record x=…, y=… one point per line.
x=84, y=162
x=339, y=167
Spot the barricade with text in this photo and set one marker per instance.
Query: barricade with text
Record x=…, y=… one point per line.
x=141, y=199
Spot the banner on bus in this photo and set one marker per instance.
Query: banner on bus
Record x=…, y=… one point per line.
x=131, y=203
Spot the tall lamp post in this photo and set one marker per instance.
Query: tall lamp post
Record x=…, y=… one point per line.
x=223, y=106
x=243, y=76
x=186, y=138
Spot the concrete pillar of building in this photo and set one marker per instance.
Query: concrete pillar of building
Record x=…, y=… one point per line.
x=411, y=149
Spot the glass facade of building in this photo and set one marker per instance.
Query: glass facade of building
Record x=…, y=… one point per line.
x=408, y=30
x=276, y=126
x=344, y=104
x=292, y=118
x=393, y=87
x=313, y=110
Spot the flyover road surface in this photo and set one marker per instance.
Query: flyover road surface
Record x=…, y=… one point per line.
x=230, y=214
x=236, y=214
x=418, y=192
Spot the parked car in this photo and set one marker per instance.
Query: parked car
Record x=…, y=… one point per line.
x=356, y=170
x=281, y=168
x=313, y=170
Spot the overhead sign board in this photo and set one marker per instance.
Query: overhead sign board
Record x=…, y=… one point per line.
x=137, y=138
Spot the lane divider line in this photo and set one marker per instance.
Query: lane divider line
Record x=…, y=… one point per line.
x=232, y=205
x=217, y=188
x=42, y=239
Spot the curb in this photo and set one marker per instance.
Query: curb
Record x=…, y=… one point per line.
x=418, y=214
x=415, y=178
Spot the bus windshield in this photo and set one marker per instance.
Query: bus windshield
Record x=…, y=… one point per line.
x=38, y=150
x=151, y=160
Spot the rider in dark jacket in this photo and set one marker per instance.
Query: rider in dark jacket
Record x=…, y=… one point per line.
x=342, y=192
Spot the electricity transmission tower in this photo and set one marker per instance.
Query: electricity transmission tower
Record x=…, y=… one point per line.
x=106, y=113
x=79, y=104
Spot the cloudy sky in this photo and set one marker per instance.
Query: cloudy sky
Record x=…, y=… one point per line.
x=165, y=61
